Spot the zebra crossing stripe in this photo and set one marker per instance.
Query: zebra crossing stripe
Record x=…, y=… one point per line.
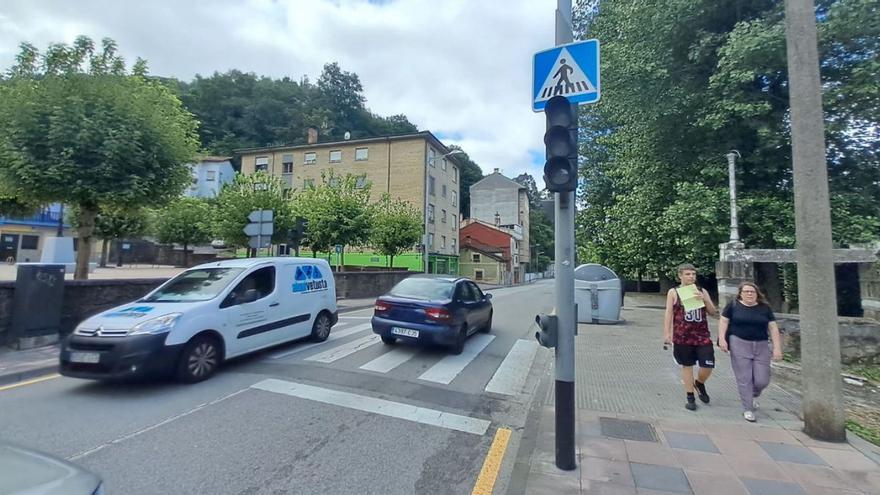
x=390, y=360
x=344, y=350
x=449, y=367
x=334, y=335
x=510, y=378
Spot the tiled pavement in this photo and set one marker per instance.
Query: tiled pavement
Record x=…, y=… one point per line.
x=712, y=451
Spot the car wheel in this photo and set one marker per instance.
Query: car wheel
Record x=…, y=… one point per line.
x=488, y=326
x=199, y=360
x=458, y=346
x=389, y=340
x=321, y=327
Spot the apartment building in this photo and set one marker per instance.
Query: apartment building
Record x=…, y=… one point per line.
x=504, y=203
x=209, y=174
x=414, y=167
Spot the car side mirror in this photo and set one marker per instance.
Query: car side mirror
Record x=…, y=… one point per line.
x=488, y=296
x=249, y=296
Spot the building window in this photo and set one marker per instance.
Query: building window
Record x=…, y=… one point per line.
x=335, y=156
x=30, y=241
x=454, y=222
x=361, y=182
x=453, y=245
x=443, y=216
x=443, y=190
x=475, y=258
x=334, y=182
x=478, y=274
x=195, y=182
x=310, y=158
x=431, y=240
x=308, y=183
x=431, y=213
x=211, y=176
x=431, y=155
x=442, y=242
x=431, y=185
x=287, y=163
x=361, y=154
x=444, y=163
x=262, y=164
x=454, y=174
x=454, y=198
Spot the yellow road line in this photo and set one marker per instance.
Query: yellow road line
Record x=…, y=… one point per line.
x=486, y=481
x=29, y=382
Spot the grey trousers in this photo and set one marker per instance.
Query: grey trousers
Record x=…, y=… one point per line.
x=750, y=361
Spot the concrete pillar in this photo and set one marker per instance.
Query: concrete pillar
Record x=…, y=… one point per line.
x=869, y=286
x=730, y=274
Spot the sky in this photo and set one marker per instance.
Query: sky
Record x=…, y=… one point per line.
x=458, y=68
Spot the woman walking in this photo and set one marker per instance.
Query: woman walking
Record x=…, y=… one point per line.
x=744, y=330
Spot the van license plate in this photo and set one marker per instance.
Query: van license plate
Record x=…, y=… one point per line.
x=85, y=357
x=406, y=332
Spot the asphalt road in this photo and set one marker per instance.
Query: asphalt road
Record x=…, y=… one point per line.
x=347, y=416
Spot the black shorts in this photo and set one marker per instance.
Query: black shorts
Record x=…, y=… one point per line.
x=689, y=355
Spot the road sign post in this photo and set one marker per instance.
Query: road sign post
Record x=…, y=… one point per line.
x=260, y=228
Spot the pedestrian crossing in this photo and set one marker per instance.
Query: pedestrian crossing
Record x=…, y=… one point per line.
x=352, y=345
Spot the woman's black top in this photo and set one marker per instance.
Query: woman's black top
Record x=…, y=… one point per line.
x=748, y=322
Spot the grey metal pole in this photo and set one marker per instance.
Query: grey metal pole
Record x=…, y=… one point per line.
x=564, y=240
x=731, y=176
x=824, y=415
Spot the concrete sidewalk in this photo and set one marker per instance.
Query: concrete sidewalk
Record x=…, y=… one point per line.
x=636, y=437
x=16, y=366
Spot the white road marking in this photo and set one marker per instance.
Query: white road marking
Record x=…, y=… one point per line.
x=390, y=360
x=449, y=367
x=355, y=317
x=510, y=378
x=373, y=405
x=334, y=335
x=344, y=350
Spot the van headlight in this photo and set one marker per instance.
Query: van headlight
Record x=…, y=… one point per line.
x=155, y=326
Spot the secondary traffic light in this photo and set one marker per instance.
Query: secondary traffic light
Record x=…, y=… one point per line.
x=560, y=169
x=549, y=329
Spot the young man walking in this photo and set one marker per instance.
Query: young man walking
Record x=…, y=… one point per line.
x=688, y=332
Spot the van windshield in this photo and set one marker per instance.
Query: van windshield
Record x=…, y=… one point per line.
x=195, y=285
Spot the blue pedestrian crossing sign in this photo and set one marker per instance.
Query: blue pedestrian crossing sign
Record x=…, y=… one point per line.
x=570, y=70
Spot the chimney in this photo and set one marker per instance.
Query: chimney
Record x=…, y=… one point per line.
x=312, y=136
x=497, y=171
x=497, y=216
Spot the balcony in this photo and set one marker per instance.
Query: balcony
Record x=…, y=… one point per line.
x=45, y=218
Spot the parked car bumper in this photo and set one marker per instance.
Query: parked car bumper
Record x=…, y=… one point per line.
x=119, y=357
x=428, y=333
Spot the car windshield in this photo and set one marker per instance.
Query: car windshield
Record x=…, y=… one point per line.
x=195, y=285
x=423, y=288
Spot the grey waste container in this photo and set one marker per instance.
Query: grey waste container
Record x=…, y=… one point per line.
x=598, y=294
x=36, y=305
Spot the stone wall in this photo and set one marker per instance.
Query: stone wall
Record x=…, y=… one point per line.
x=869, y=281
x=859, y=338
x=84, y=298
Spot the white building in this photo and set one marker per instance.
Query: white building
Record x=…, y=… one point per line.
x=208, y=176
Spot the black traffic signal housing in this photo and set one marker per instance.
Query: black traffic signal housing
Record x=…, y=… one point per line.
x=561, y=167
x=296, y=234
x=549, y=330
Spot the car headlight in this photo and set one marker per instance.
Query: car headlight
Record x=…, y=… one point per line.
x=155, y=326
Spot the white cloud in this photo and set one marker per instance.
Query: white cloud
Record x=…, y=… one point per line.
x=455, y=67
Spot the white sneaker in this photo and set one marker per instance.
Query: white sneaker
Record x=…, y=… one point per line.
x=750, y=416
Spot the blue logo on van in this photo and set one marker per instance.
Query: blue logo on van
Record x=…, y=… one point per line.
x=132, y=312
x=308, y=278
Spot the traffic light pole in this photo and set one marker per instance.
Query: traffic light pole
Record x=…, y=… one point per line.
x=564, y=261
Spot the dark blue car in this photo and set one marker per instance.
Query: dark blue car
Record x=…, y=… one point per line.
x=433, y=310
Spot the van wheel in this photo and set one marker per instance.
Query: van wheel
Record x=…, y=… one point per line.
x=488, y=326
x=458, y=347
x=199, y=360
x=389, y=340
x=321, y=327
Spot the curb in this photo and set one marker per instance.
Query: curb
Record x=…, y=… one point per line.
x=20, y=376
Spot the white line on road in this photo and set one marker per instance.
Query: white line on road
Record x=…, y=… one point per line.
x=449, y=367
x=355, y=317
x=346, y=349
x=510, y=378
x=390, y=360
x=333, y=336
x=373, y=405
x=153, y=427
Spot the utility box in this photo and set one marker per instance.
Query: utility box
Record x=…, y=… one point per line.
x=598, y=292
x=36, y=306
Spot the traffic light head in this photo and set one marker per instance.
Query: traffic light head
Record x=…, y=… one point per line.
x=547, y=334
x=560, y=169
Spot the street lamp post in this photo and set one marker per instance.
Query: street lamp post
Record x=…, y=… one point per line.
x=427, y=175
x=731, y=175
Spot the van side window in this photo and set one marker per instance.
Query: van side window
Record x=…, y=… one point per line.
x=262, y=280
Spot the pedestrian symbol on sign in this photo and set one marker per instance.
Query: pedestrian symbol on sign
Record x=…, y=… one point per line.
x=571, y=71
x=567, y=80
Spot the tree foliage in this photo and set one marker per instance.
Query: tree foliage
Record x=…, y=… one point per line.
x=396, y=227
x=685, y=81
x=76, y=127
x=186, y=221
x=248, y=193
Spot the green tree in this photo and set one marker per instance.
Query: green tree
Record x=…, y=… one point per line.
x=186, y=221
x=469, y=173
x=397, y=226
x=77, y=128
x=113, y=224
x=246, y=194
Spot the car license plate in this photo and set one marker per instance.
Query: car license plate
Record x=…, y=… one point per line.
x=406, y=332
x=85, y=357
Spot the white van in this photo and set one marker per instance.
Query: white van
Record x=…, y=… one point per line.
x=189, y=325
